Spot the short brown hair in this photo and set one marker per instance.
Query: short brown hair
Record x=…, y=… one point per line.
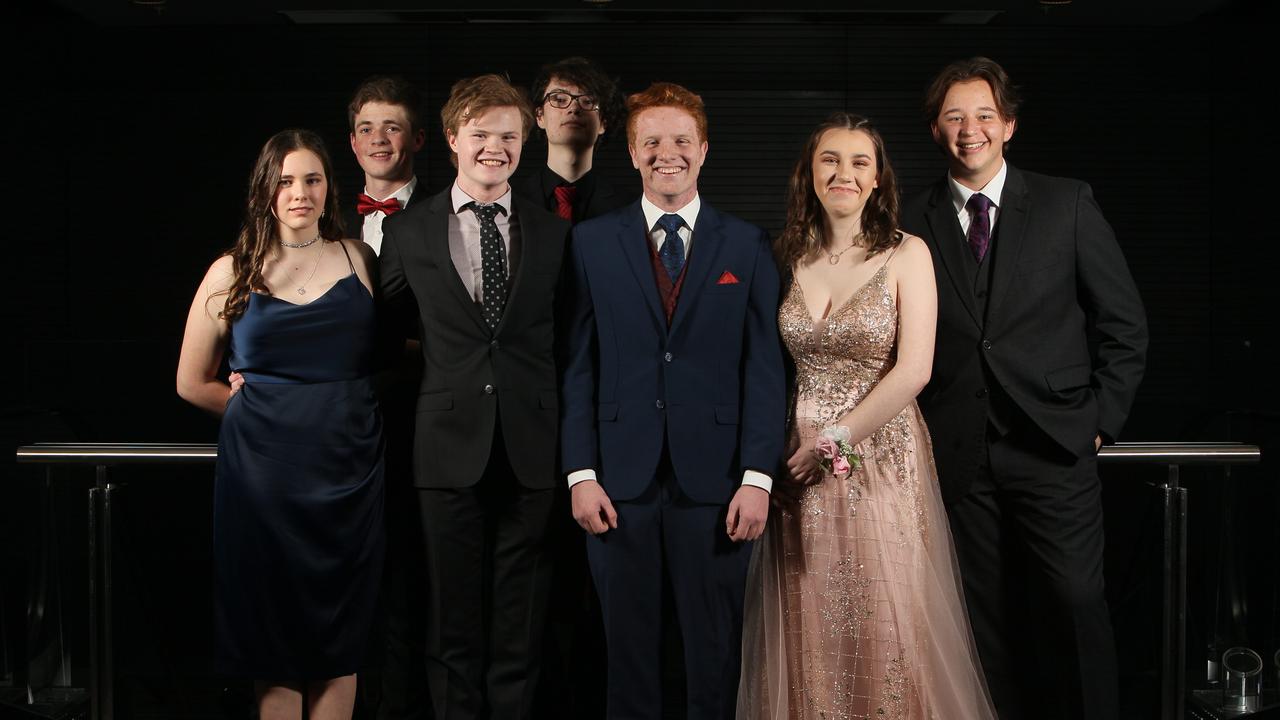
x=663, y=94
x=472, y=97
x=974, y=68
x=387, y=89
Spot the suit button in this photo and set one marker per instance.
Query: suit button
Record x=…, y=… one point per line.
x=986, y=344
x=668, y=357
x=493, y=344
x=488, y=389
x=981, y=294
x=659, y=404
x=982, y=392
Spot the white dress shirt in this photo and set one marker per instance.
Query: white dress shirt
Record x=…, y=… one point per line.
x=994, y=189
x=657, y=235
x=371, y=231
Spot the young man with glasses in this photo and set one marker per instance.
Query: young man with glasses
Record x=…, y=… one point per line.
x=577, y=106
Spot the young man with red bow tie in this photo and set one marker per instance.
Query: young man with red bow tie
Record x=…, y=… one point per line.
x=385, y=135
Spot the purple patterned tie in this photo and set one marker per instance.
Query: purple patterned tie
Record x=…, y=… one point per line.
x=979, y=207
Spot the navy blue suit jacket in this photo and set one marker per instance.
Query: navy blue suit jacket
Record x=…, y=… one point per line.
x=710, y=386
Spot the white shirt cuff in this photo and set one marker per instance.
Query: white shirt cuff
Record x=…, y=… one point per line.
x=578, y=476
x=756, y=479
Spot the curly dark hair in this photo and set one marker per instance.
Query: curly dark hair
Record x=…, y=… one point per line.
x=260, y=231
x=803, y=235
x=594, y=81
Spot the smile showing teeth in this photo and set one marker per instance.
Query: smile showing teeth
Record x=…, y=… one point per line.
x=668, y=170
x=491, y=163
x=971, y=146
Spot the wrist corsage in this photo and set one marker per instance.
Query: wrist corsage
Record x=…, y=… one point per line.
x=835, y=454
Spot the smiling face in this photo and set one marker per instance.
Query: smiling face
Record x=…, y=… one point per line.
x=972, y=131
x=570, y=126
x=300, y=196
x=669, y=154
x=384, y=142
x=844, y=172
x=488, y=150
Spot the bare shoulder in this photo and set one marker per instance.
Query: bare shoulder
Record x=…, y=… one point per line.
x=913, y=254
x=221, y=275
x=361, y=254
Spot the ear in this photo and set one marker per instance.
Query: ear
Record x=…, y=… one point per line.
x=452, y=140
x=419, y=139
x=1009, y=127
x=933, y=129
x=537, y=116
x=703, y=153
x=635, y=163
x=353, y=144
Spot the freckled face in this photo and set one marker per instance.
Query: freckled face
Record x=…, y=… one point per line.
x=971, y=130
x=488, y=149
x=845, y=172
x=669, y=155
x=301, y=193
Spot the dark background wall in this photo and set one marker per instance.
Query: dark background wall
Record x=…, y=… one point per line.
x=129, y=147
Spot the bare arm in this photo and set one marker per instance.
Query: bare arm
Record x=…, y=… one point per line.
x=912, y=274
x=204, y=341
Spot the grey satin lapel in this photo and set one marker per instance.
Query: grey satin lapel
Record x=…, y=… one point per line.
x=1010, y=237
x=708, y=238
x=633, y=237
x=946, y=236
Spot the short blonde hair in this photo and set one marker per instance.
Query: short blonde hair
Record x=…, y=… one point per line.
x=473, y=97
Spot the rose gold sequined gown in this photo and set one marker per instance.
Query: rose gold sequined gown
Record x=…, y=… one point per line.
x=853, y=606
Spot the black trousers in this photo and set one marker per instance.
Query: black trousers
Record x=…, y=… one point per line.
x=664, y=532
x=488, y=574
x=1029, y=539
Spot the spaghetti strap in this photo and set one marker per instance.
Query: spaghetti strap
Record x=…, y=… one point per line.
x=351, y=265
x=893, y=252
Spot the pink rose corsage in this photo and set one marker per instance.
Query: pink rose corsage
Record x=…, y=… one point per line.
x=835, y=454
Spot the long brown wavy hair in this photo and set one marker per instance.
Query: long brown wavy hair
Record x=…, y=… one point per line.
x=259, y=234
x=804, y=234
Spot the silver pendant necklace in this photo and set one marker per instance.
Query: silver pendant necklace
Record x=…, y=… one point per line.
x=302, y=289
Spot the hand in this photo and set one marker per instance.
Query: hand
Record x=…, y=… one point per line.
x=803, y=467
x=1097, y=443
x=747, y=513
x=237, y=381
x=591, y=507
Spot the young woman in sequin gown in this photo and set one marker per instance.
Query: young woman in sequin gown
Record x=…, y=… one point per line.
x=854, y=607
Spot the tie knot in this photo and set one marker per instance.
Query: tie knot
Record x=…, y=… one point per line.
x=566, y=193
x=979, y=203
x=485, y=211
x=670, y=222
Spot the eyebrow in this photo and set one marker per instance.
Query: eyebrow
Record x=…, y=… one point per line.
x=988, y=108
x=833, y=153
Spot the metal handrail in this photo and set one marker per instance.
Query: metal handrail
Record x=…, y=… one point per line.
x=1174, y=575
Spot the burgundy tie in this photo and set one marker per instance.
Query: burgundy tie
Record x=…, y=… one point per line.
x=979, y=207
x=366, y=205
x=565, y=195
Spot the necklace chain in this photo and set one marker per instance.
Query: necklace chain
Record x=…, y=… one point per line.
x=302, y=289
x=308, y=243
x=834, y=258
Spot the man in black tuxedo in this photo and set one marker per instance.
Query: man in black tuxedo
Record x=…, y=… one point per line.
x=577, y=107
x=385, y=135
x=1041, y=344
x=477, y=271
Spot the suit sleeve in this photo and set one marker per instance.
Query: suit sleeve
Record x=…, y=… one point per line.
x=395, y=296
x=763, y=386
x=1117, y=320
x=578, y=441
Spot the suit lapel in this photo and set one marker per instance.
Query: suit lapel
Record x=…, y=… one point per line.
x=708, y=238
x=1011, y=224
x=633, y=237
x=945, y=234
x=437, y=236
x=532, y=229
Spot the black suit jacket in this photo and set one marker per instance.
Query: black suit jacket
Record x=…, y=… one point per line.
x=1064, y=334
x=473, y=378
x=354, y=222
x=539, y=187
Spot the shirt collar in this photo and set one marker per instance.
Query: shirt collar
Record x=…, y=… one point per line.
x=403, y=194
x=994, y=188
x=688, y=213
x=461, y=198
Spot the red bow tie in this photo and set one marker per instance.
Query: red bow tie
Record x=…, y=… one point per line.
x=366, y=205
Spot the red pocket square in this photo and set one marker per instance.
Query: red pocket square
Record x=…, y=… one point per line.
x=727, y=278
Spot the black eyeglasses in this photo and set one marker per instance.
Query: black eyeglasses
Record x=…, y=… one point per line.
x=561, y=100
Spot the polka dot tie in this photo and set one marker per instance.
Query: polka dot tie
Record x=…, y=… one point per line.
x=493, y=263
x=672, y=251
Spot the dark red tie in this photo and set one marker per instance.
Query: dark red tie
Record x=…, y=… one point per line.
x=565, y=195
x=366, y=205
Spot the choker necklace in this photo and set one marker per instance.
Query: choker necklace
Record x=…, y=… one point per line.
x=308, y=243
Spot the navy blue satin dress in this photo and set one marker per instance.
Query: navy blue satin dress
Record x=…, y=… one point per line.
x=298, y=497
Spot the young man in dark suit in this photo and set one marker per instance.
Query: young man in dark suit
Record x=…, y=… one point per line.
x=577, y=107
x=1041, y=344
x=385, y=135
x=673, y=412
x=476, y=270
